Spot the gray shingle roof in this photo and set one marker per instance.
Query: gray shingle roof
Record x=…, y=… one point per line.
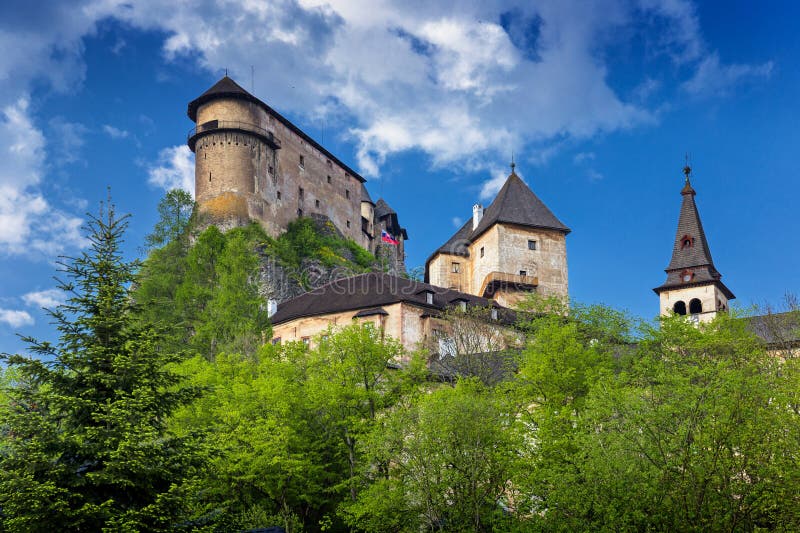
x=516, y=204
x=690, y=250
x=370, y=291
x=777, y=329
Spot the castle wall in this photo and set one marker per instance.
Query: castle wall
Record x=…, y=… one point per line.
x=492, y=260
x=548, y=262
x=273, y=187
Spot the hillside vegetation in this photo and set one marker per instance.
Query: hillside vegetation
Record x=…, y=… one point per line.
x=161, y=407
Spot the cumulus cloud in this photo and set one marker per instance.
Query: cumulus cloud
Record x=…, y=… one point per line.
x=114, y=133
x=28, y=222
x=174, y=170
x=48, y=298
x=16, y=318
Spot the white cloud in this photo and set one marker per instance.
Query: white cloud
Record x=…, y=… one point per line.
x=713, y=78
x=16, y=318
x=594, y=175
x=114, y=133
x=48, y=298
x=457, y=222
x=582, y=157
x=29, y=224
x=67, y=139
x=492, y=186
x=175, y=169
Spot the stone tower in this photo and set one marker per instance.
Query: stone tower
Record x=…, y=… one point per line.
x=253, y=164
x=693, y=286
x=235, y=157
x=514, y=246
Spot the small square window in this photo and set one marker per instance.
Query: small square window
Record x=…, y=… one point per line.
x=456, y=268
x=302, y=161
x=316, y=204
x=531, y=245
x=347, y=194
x=523, y=273
x=279, y=195
x=481, y=251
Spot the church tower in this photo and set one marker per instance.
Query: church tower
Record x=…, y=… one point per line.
x=693, y=286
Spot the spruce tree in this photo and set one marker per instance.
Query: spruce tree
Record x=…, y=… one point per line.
x=85, y=446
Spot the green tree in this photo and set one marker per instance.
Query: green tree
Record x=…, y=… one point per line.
x=85, y=440
x=451, y=457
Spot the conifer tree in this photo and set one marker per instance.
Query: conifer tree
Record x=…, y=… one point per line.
x=85, y=444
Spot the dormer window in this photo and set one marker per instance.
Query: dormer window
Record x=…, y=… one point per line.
x=429, y=297
x=686, y=242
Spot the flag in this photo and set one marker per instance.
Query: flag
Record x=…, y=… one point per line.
x=386, y=237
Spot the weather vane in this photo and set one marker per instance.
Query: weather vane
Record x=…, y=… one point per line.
x=687, y=169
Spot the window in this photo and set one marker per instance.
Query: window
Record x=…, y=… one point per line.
x=329, y=179
x=209, y=177
x=686, y=242
x=271, y=171
x=523, y=273
x=306, y=340
x=679, y=308
x=695, y=306
x=531, y=245
x=279, y=195
x=348, y=223
x=481, y=251
x=300, y=193
x=494, y=314
x=462, y=305
x=302, y=162
x=316, y=204
x=276, y=341
x=299, y=212
x=429, y=298
x=347, y=193
x=456, y=267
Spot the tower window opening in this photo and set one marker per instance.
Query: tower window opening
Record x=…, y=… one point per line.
x=209, y=177
x=300, y=193
x=347, y=193
x=329, y=179
x=481, y=251
x=679, y=308
x=523, y=273
x=300, y=212
x=302, y=162
x=695, y=306
x=531, y=245
x=348, y=223
x=456, y=267
x=686, y=242
x=279, y=195
x=316, y=204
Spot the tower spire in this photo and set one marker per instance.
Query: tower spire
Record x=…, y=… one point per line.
x=513, y=165
x=691, y=267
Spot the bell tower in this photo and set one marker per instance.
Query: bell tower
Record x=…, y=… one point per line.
x=694, y=286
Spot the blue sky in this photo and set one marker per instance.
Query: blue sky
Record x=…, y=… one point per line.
x=599, y=101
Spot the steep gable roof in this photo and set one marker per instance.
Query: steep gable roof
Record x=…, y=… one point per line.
x=515, y=204
x=370, y=291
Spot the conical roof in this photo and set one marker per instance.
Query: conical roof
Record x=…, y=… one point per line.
x=224, y=88
x=691, y=262
x=516, y=204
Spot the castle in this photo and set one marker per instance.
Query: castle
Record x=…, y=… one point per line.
x=252, y=164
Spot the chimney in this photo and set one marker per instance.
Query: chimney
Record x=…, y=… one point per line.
x=477, y=215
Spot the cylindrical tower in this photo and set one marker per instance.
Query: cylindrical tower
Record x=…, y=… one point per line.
x=235, y=155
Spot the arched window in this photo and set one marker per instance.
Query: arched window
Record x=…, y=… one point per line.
x=695, y=306
x=679, y=308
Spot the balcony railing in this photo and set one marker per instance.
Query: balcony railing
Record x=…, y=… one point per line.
x=231, y=125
